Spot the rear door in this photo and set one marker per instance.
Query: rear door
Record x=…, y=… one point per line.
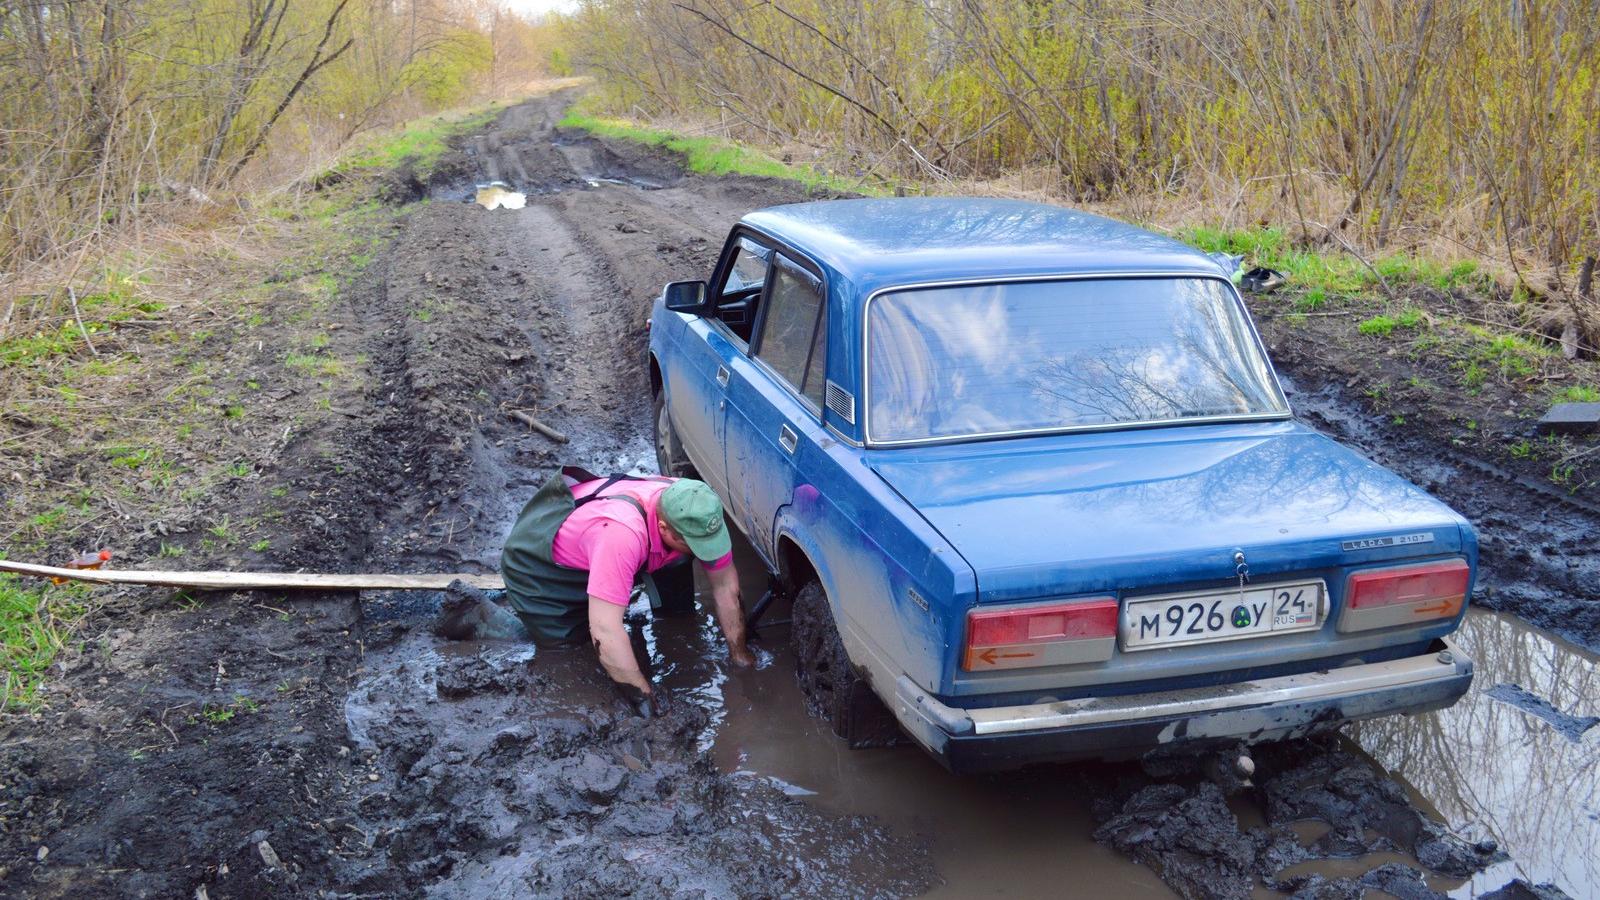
x=700, y=371
x=775, y=398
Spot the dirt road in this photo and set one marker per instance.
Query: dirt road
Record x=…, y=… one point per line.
x=254, y=745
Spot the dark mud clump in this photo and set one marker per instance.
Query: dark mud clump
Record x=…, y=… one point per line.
x=1392, y=879
x=1570, y=726
x=463, y=676
x=1189, y=836
x=1187, y=833
x=1367, y=811
x=1522, y=890
x=501, y=784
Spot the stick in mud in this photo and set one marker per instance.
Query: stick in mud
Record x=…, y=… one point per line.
x=537, y=425
x=244, y=581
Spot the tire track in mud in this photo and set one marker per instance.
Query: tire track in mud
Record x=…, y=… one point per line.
x=495, y=770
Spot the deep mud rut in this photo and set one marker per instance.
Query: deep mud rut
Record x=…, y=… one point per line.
x=269, y=746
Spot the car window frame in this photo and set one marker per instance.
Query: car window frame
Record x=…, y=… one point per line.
x=719, y=279
x=1233, y=291
x=805, y=265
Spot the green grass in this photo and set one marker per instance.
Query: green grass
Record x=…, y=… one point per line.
x=1379, y=325
x=1579, y=393
x=1419, y=270
x=36, y=621
x=714, y=156
x=1321, y=274
x=1271, y=247
x=422, y=141
x=1384, y=325
x=99, y=311
x=309, y=364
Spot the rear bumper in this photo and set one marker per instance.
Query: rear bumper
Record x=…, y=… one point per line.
x=1009, y=737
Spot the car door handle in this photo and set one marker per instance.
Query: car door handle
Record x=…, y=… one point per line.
x=787, y=439
x=722, y=376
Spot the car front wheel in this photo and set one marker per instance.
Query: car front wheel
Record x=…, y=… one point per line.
x=670, y=458
x=834, y=691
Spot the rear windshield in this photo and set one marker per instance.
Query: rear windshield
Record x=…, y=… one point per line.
x=1033, y=356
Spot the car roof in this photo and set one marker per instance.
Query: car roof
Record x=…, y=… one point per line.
x=879, y=243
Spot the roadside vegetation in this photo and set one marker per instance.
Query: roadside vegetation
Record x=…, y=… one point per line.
x=1438, y=227
x=707, y=155
x=1428, y=131
x=1451, y=347
x=122, y=119
x=183, y=199
x=186, y=359
x=35, y=623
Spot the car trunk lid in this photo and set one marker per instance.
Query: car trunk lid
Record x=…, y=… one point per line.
x=1165, y=508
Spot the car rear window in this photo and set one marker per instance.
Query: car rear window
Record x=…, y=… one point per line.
x=990, y=359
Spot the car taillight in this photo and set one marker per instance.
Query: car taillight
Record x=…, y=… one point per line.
x=1052, y=634
x=1400, y=595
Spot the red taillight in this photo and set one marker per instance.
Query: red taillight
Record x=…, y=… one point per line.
x=1041, y=635
x=1379, y=598
x=1409, y=584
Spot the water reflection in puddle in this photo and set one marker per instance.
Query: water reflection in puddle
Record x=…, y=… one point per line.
x=1488, y=764
x=500, y=196
x=1488, y=768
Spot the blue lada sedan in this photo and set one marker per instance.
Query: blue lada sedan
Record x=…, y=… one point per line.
x=1036, y=493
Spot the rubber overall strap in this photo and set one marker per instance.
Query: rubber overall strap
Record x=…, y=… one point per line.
x=595, y=494
x=633, y=501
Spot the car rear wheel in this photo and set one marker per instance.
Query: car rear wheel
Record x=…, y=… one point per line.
x=670, y=458
x=834, y=691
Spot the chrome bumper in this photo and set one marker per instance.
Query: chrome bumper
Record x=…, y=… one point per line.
x=1123, y=726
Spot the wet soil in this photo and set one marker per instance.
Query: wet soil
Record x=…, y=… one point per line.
x=259, y=745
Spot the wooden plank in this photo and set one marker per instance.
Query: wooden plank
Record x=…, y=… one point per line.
x=247, y=581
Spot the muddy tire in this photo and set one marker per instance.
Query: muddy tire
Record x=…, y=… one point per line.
x=670, y=458
x=834, y=691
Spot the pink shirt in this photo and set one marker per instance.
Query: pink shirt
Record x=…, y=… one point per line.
x=611, y=541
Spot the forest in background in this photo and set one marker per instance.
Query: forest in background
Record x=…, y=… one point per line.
x=109, y=107
x=1467, y=128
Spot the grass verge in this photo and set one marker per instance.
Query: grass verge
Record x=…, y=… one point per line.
x=1323, y=273
x=715, y=156
x=35, y=624
x=195, y=356
x=421, y=141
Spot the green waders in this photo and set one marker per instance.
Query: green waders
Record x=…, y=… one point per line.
x=551, y=599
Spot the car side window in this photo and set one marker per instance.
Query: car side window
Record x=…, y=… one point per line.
x=739, y=294
x=816, y=373
x=792, y=336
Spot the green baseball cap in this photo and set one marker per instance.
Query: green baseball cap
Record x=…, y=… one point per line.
x=693, y=511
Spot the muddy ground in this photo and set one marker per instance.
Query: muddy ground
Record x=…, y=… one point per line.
x=260, y=745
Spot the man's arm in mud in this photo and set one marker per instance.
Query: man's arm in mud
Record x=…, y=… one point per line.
x=610, y=637
x=730, y=611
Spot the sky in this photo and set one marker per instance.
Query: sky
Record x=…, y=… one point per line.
x=542, y=6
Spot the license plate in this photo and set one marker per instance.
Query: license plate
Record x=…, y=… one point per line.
x=1173, y=620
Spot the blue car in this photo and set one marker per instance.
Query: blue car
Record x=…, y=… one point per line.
x=1036, y=493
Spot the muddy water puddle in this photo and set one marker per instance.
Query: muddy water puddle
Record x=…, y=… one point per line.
x=1494, y=766
x=1513, y=761
x=499, y=196
x=1497, y=764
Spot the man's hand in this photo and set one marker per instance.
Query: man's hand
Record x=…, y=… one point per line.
x=730, y=613
x=649, y=704
x=610, y=638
